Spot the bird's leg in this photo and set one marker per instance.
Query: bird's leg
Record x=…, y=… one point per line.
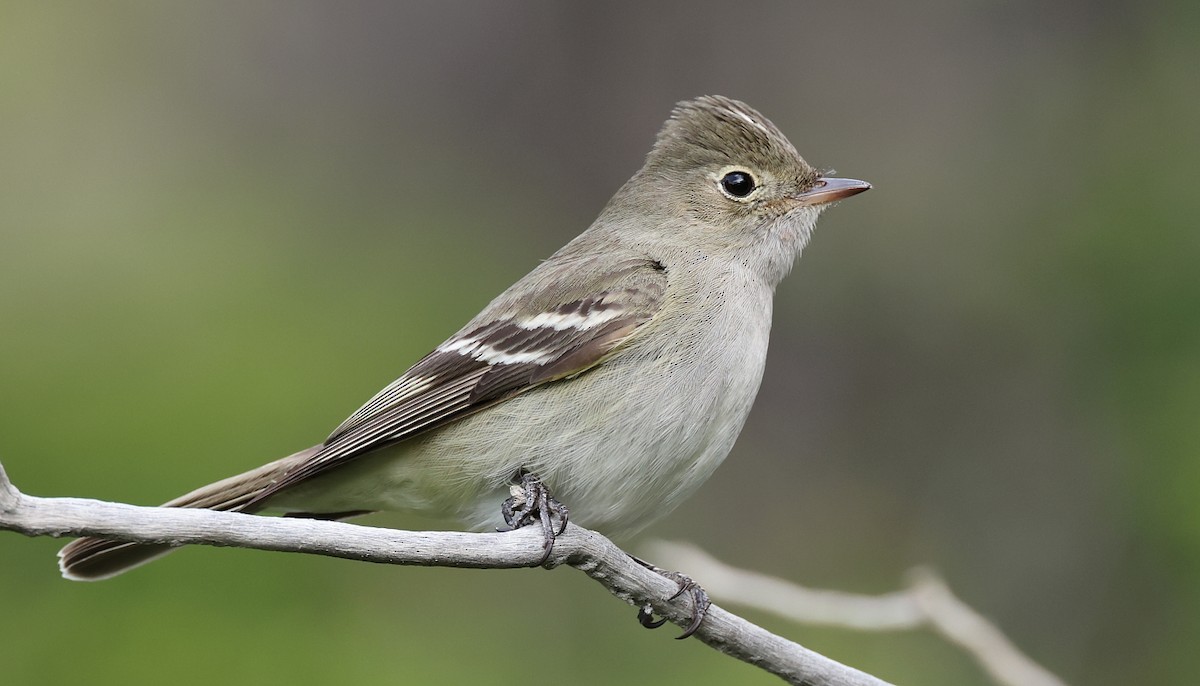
x=531, y=502
x=699, y=596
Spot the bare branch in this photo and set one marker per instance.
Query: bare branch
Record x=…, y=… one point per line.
x=9, y=495
x=958, y=623
x=585, y=550
x=927, y=602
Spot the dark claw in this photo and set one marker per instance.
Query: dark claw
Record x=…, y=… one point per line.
x=700, y=600
x=535, y=504
x=646, y=618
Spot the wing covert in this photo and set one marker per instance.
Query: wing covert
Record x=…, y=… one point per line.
x=497, y=356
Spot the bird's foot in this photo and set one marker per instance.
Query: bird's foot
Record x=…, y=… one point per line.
x=700, y=600
x=531, y=502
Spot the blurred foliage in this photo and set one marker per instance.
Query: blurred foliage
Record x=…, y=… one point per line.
x=224, y=226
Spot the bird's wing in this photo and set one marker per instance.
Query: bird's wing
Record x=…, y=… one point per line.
x=562, y=330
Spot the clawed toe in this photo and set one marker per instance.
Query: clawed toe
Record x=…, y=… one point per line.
x=531, y=502
x=646, y=618
x=699, y=597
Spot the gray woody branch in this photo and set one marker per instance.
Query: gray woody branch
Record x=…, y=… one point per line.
x=926, y=603
x=580, y=548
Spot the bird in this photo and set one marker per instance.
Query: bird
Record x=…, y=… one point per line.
x=612, y=379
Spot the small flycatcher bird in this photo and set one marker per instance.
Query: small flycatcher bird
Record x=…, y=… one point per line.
x=616, y=375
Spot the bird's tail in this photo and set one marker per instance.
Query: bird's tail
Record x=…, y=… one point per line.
x=92, y=559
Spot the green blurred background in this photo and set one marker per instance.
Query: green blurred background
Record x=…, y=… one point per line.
x=224, y=226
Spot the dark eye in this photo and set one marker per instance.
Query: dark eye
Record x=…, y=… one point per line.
x=738, y=184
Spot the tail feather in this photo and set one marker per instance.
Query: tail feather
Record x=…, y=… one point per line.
x=92, y=559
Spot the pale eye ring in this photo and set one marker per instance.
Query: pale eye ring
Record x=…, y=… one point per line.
x=737, y=184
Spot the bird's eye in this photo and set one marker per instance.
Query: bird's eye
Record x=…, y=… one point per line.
x=738, y=184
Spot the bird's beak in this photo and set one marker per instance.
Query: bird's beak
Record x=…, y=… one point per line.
x=829, y=189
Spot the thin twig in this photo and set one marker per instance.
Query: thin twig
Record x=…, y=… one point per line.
x=927, y=602
x=581, y=548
